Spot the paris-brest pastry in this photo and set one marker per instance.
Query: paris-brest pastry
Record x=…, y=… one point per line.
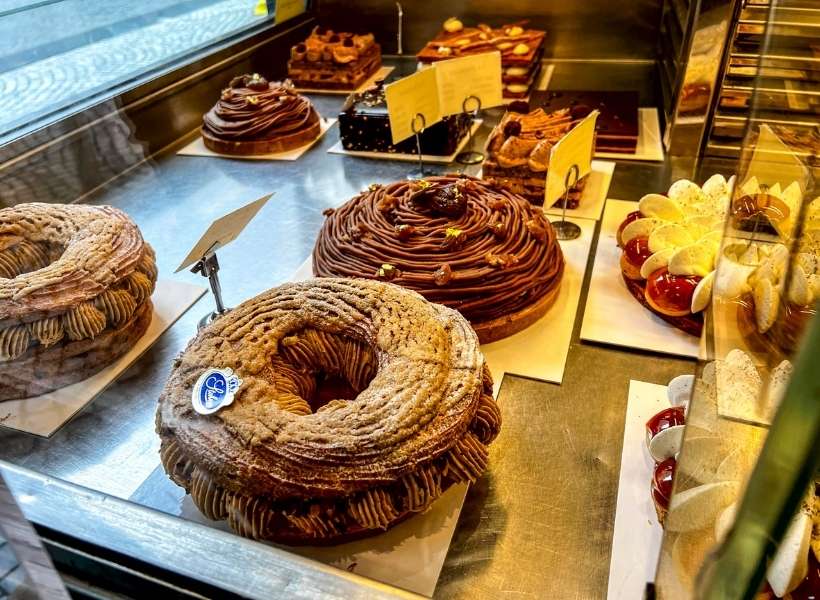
x=75, y=293
x=293, y=459
x=256, y=116
x=456, y=240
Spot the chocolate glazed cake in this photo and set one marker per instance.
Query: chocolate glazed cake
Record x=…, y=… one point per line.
x=254, y=116
x=454, y=239
x=279, y=463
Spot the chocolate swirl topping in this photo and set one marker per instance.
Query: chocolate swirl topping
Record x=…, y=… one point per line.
x=455, y=240
x=254, y=109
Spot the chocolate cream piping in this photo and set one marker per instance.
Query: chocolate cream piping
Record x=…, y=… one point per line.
x=504, y=257
x=248, y=114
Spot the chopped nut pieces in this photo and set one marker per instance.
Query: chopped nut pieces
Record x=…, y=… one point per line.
x=443, y=275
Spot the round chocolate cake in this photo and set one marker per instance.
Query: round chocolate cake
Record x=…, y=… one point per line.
x=456, y=240
x=357, y=404
x=254, y=116
x=75, y=293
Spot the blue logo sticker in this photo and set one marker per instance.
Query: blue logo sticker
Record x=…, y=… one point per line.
x=214, y=389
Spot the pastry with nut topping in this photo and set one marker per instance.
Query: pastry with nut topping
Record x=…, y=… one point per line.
x=254, y=116
x=75, y=294
x=357, y=405
x=518, y=153
x=456, y=240
x=333, y=60
x=521, y=51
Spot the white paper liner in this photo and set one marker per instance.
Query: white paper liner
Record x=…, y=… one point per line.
x=612, y=315
x=650, y=141
x=540, y=350
x=337, y=148
x=44, y=415
x=409, y=556
x=637, y=535
x=197, y=148
x=380, y=74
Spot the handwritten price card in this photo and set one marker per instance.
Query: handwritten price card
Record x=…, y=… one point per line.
x=413, y=95
x=574, y=149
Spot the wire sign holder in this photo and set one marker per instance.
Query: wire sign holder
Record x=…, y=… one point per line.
x=202, y=258
x=470, y=156
x=208, y=266
x=417, y=131
x=567, y=230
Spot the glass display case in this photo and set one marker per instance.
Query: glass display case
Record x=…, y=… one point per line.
x=742, y=517
x=174, y=423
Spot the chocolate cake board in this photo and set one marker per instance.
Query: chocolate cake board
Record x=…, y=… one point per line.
x=409, y=556
x=540, y=350
x=380, y=74
x=44, y=415
x=197, y=148
x=636, y=536
x=650, y=142
x=612, y=315
x=337, y=148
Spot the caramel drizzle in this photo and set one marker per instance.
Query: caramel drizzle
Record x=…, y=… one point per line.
x=361, y=236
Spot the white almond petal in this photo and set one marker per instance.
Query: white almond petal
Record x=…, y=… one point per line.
x=799, y=291
x=791, y=562
x=715, y=186
x=670, y=235
x=750, y=187
x=750, y=256
x=666, y=443
x=739, y=383
x=656, y=261
x=808, y=262
x=661, y=207
x=698, y=225
x=766, y=304
x=732, y=280
x=778, y=380
x=640, y=227
x=702, y=293
x=686, y=192
x=698, y=507
x=679, y=390
x=694, y=259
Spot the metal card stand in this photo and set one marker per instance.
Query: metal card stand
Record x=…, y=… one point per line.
x=470, y=156
x=208, y=266
x=566, y=230
x=417, y=131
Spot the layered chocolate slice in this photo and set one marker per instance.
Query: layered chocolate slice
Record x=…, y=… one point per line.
x=334, y=60
x=617, y=126
x=521, y=51
x=518, y=153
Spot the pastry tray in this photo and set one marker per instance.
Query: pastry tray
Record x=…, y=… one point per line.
x=637, y=535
